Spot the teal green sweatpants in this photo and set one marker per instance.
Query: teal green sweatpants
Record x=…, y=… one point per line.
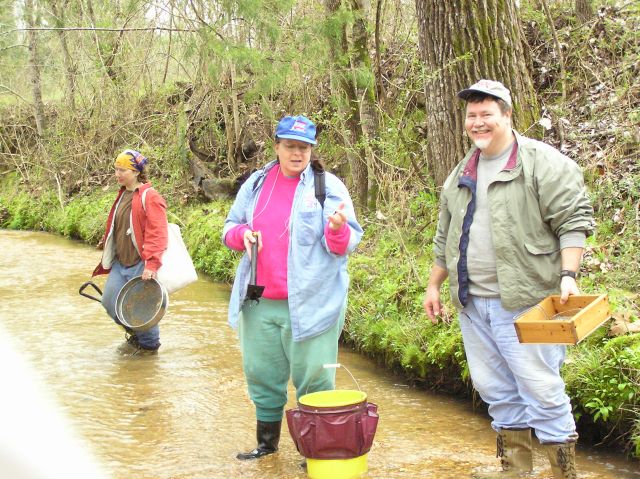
x=270, y=356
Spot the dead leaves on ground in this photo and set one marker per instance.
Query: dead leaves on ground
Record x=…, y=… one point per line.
x=622, y=324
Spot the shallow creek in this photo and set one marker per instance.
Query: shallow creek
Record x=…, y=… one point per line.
x=185, y=412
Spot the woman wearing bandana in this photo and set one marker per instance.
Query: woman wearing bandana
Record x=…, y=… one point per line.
x=134, y=241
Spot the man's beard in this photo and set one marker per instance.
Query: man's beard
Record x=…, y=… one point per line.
x=482, y=143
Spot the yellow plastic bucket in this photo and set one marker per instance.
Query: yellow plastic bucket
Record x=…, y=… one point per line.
x=337, y=468
x=337, y=398
x=352, y=468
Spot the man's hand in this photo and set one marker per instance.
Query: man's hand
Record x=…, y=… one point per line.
x=568, y=287
x=432, y=304
x=337, y=219
x=570, y=261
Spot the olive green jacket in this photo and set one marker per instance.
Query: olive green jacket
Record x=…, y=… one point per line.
x=536, y=198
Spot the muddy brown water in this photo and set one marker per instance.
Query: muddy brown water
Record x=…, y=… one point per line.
x=185, y=413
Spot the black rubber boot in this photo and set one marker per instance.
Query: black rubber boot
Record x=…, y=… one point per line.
x=268, y=436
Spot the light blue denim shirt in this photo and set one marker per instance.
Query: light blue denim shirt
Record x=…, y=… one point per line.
x=317, y=279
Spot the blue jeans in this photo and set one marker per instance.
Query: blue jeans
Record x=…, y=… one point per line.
x=521, y=383
x=118, y=276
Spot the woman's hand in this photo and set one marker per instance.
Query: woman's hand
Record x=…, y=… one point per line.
x=148, y=274
x=251, y=237
x=338, y=218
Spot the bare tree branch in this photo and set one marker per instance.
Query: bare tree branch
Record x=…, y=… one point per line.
x=166, y=65
x=100, y=29
x=13, y=46
x=9, y=90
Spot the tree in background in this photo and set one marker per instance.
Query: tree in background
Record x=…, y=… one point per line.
x=12, y=48
x=108, y=49
x=30, y=20
x=242, y=65
x=251, y=57
x=58, y=8
x=354, y=86
x=462, y=41
x=366, y=90
x=584, y=10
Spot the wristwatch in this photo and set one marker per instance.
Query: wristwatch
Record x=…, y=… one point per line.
x=566, y=272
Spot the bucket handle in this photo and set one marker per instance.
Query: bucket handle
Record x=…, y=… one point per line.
x=333, y=366
x=87, y=295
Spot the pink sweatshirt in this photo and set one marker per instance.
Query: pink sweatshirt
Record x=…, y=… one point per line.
x=271, y=218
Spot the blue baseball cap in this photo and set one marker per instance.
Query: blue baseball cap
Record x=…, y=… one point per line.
x=297, y=128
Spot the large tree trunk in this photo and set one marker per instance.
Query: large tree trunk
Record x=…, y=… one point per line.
x=34, y=66
x=462, y=41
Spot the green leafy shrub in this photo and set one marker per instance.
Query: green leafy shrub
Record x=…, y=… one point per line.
x=385, y=316
x=604, y=383
x=202, y=235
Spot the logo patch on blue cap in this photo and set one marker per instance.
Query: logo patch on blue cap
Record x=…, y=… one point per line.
x=299, y=126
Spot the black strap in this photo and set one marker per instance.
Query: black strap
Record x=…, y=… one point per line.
x=321, y=189
x=318, y=181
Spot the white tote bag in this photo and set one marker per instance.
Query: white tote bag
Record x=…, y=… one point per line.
x=177, y=270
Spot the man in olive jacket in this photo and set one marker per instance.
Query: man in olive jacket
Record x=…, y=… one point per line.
x=514, y=218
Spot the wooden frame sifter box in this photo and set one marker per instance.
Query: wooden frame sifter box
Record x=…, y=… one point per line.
x=569, y=323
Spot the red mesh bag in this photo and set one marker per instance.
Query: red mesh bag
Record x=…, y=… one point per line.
x=342, y=432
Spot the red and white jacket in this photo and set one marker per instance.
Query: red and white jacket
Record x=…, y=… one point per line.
x=149, y=230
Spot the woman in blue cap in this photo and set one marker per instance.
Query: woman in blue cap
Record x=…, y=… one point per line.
x=305, y=234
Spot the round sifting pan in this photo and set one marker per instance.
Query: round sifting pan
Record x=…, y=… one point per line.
x=141, y=304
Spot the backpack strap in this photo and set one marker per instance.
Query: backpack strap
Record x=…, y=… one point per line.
x=143, y=198
x=318, y=182
x=321, y=189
